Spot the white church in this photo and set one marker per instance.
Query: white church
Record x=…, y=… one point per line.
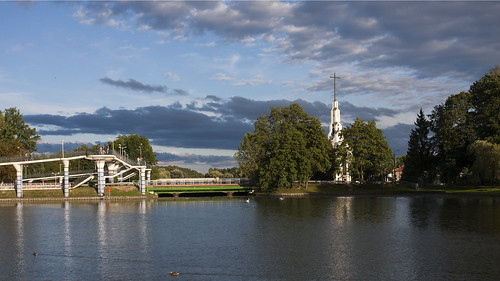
x=334, y=134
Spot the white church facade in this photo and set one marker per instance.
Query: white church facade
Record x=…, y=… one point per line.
x=334, y=135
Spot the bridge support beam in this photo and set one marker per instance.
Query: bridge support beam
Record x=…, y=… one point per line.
x=66, y=177
x=142, y=181
x=19, y=180
x=113, y=170
x=101, y=182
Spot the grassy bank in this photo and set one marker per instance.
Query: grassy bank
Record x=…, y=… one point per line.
x=393, y=188
x=124, y=191
x=116, y=191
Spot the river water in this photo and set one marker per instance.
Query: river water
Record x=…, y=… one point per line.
x=316, y=238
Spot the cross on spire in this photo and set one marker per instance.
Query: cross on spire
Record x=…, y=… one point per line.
x=334, y=77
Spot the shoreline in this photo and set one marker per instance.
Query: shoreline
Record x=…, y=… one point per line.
x=294, y=195
x=60, y=199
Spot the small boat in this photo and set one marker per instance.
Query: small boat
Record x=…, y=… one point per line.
x=172, y=273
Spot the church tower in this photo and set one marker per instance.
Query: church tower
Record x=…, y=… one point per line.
x=334, y=133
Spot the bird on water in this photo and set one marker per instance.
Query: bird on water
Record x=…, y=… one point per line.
x=174, y=273
x=35, y=254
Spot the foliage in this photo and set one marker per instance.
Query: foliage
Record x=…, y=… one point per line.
x=16, y=139
x=14, y=130
x=371, y=155
x=486, y=165
x=485, y=102
x=287, y=145
x=222, y=173
x=462, y=119
x=159, y=173
x=179, y=172
x=135, y=147
x=418, y=165
x=453, y=132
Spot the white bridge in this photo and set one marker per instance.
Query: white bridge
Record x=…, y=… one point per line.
x=117, y=166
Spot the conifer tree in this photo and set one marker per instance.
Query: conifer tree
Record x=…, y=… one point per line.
x=418, y=160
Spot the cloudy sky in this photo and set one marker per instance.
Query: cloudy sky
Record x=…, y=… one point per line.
x=194, y=76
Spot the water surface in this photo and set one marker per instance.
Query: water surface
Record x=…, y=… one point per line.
x=328, y=238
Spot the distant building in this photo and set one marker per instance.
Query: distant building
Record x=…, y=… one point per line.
x=334, y=134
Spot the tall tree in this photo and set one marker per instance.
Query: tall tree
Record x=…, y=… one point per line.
x=419, y=157
x=14, y=129
x=251, y=153
x=136, y=147
x=287, y=145
x=486, y=165
x=485, y=102
x=453, y=132
x=371, y=155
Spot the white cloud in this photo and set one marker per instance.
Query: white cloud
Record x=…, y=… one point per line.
x=172, y=76
x=256, y=81
x=221, y=77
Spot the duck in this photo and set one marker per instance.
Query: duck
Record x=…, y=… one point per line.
x=172, y=273
x=281, y=198
x=35, y=254
x=248, y=200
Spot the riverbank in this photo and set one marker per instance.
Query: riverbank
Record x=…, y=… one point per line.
x=81, y=193
x=131, y=192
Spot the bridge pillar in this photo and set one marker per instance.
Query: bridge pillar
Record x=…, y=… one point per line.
x=101, y=182
x=66, y=177
x=113, y=170
x=142, y=181
x=19, y=180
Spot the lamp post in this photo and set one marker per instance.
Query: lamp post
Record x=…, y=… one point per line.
x=62, y=148
x=140, y=153
x=394, y=168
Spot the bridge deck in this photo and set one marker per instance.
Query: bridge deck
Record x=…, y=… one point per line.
x=198, y=189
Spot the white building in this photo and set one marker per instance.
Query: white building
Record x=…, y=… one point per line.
x=334, y=134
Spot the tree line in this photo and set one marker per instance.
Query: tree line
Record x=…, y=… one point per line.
x=289, y=147
x=459, y=141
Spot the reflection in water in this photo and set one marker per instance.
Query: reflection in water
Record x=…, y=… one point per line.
x=67, y=234
x=20, y=253
x=332, y=238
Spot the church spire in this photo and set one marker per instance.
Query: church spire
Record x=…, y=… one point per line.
x=335, y=125
x=335, y=135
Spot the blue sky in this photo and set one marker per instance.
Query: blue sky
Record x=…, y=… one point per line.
x=194, y=76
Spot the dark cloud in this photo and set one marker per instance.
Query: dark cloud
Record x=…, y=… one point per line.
x=217, y=124
x=430, y=39
x=397, y=137
x=54, y=147
x=193, y=159
x=134, y=85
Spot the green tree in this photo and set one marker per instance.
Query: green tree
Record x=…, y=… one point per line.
x=159, y=173
x=485, y=102
x=486, y=165
x=214, y=173
x=136, y=147
x=453, y=132
x=176, y=174
x=83, y=164
x=15, y=131
x=418, y=165
x=287, y=145
x=371, y=155
x=251, y=154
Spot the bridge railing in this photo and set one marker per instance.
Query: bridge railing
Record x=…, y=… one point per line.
x=124, y=158
x=198, y=181
x=42, y=156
